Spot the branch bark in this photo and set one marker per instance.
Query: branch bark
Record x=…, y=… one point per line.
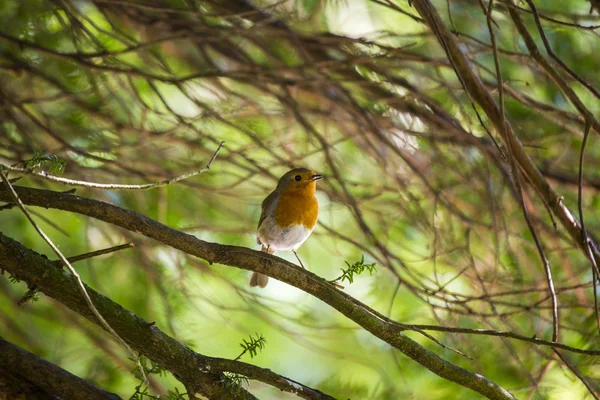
x=25, y=374
x=199, y=373
x=239, y=257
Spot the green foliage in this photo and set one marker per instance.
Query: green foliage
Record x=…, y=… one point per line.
x=142, y=391
x=143, y=394
x=55, y=165
x=234, y=383
x=176, y=395
x=355, y=269
x=31, y=294
x=252, y=346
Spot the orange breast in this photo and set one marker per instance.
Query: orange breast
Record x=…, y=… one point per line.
x=297, y=210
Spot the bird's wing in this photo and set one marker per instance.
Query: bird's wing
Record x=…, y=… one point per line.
x=267, y=206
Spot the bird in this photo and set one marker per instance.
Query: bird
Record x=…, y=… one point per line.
x=288, y=216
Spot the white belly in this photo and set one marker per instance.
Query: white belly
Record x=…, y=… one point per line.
x=271, y=235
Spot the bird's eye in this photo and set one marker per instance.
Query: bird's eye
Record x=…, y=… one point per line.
x=298, y=177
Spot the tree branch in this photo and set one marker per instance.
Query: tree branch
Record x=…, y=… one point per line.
x=252, y=260
x=197, y=372
x=50, y=380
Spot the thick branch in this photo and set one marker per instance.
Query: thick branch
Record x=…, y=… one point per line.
x=200, y=373
x=21, y=367
x=252, y=260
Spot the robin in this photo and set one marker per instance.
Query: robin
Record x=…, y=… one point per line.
x=289, y=215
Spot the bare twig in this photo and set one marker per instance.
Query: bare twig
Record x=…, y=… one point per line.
x=588, y=247
x=472, y=83
x=586, y=382
x=491, y=332
x=115, y=186
x=560, y=62
x=96, y=253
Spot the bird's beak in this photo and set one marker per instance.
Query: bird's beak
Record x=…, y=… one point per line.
x=316, y=178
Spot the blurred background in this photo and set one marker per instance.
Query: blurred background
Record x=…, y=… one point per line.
x=416, y=181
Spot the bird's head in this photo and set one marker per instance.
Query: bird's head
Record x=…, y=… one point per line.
x=299, y=181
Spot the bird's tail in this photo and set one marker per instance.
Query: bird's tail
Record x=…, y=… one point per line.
x=257, y=279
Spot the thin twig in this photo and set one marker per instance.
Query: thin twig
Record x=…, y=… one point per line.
x=512, y=335
x=96, y=253
x=588, y=248
x=427, y=10
x=114, y=186
x=442, y=345
x=578, y=374
x=50, y=222
x=517, y=177
x=540, y=249
x=560, y=62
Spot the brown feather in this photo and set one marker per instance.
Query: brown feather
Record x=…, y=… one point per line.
x=259, y=280
x=265, y=204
